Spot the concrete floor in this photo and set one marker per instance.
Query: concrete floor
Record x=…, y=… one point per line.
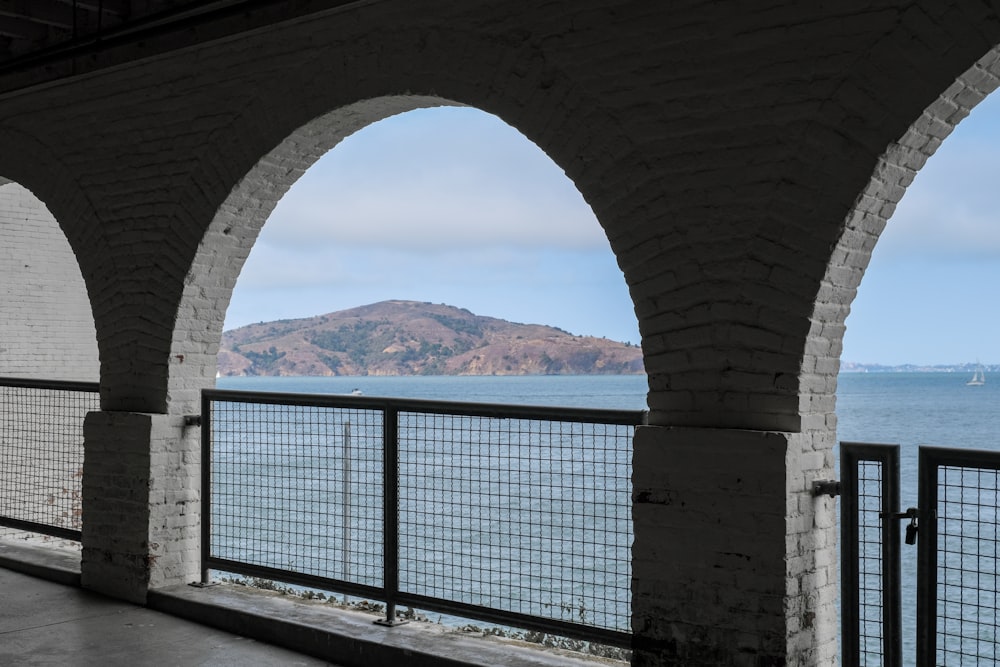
x=45, y=623
x=47, y=619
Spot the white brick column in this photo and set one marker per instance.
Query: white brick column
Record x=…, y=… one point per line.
x=141, y=506
x=732, y=557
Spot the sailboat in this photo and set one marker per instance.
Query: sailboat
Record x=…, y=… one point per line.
x=978, y=378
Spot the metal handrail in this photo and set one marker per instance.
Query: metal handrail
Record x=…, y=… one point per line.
x=500, y=410
x=61, y=385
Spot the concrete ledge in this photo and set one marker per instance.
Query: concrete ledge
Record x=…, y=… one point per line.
x=348, y=638
x=61, y=566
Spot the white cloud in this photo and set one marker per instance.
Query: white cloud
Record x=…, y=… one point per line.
x=476, y=183
x=950, y=210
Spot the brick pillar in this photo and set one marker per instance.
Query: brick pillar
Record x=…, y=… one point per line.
x=732, y=559
x=140, y=503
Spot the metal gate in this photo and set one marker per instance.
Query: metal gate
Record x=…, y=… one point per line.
x=955, y=529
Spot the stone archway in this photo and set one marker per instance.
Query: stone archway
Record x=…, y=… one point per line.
x=234, y=229
x=893, y=174
x=874, y=206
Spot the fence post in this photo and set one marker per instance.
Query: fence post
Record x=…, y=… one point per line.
x=855, y=539
x=346, y=500
x=206, y=485
x=390, y=513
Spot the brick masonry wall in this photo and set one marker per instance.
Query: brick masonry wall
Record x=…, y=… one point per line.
x=117, y=513
x=709, y=553
x=46, y=327
x=723, y=151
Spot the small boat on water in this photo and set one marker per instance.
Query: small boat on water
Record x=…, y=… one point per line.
x=978, y=378
x=356, y=392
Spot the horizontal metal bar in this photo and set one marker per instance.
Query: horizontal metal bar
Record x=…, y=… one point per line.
x=44, y=529
x=61, y=385
x=569, y=629
x=961, y=458
x=295, y=578
x=498, y=410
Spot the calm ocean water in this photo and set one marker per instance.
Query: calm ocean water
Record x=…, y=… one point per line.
x=909, y=409
x=626, y=392
x=913, y=409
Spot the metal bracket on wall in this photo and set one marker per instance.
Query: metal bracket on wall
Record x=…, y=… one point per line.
x=826, y=487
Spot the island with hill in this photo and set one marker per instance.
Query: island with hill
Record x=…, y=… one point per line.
x=417, y=338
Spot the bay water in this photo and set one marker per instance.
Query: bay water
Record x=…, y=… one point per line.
x=625, y=392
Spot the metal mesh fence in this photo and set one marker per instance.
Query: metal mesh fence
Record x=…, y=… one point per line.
x=967, y=616
x=298, y=488
x=527, y=516
x=871, y=567
x=41, y=454
x=510, y=514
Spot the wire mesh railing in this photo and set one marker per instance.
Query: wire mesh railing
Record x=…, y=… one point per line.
x=517, y=515
x=41, y=454
x=958, y=600
x=956, y=530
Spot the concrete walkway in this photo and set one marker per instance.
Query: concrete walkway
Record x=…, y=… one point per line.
x=47, y=619
x=45, y=623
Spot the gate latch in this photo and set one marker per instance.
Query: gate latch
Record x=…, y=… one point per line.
x=911, y=513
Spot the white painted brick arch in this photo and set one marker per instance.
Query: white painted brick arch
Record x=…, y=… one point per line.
x=893, y=174
x=235, y=228
x=720, y=160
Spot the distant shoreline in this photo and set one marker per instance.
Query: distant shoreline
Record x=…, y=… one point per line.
x=851, y=367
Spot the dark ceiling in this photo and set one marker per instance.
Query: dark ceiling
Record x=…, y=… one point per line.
x=46, y=40
x=42, y=41
x=33, y=26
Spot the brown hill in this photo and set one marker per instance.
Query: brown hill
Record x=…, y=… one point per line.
x=412, y=338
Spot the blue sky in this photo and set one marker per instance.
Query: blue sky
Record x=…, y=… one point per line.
x=453, y=206
x=930, y=293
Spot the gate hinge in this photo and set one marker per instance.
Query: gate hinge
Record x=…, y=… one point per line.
x=192, y=420
x=826, y=487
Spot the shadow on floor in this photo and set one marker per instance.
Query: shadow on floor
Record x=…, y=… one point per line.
x=45, y=623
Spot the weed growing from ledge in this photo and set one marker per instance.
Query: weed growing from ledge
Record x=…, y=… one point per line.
x=376, y=608
x=552, y=641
